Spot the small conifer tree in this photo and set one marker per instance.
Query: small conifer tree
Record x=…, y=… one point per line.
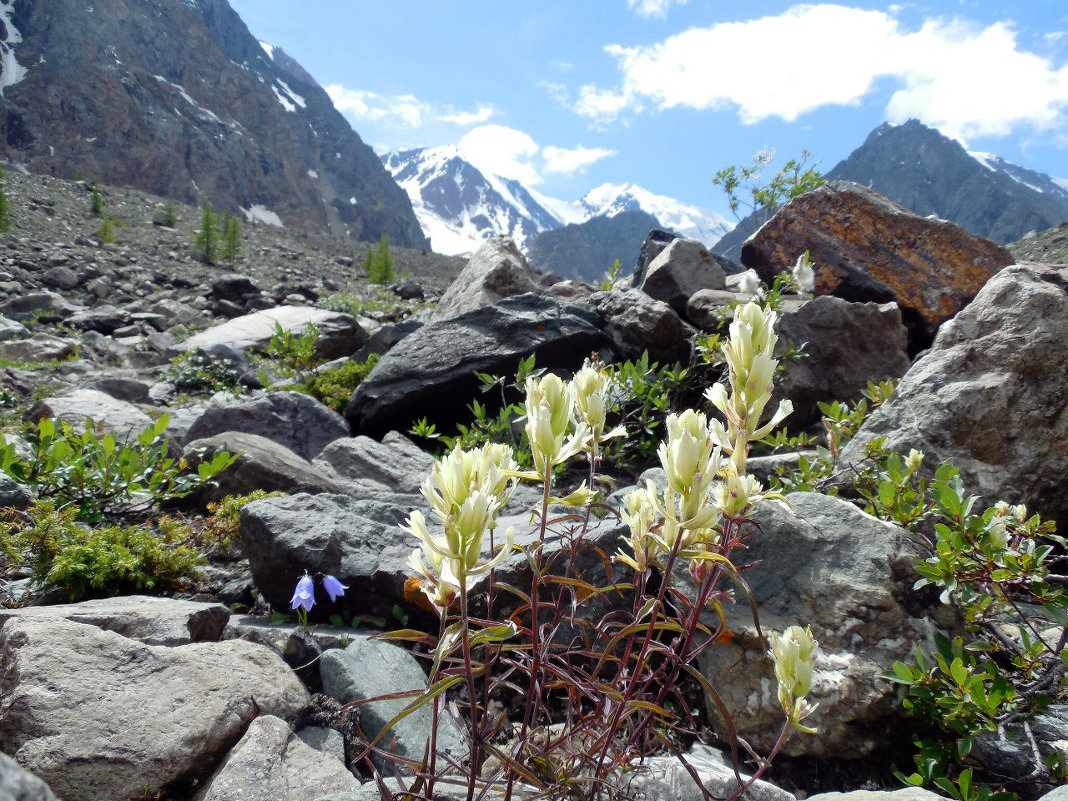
x=106, y=234
x=379, y=264
x=5, y=208
x=207, y=240
x=231, y=242
x=96, y=202
x=170, y=216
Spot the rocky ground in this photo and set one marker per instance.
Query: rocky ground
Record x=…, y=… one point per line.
x=193, y=697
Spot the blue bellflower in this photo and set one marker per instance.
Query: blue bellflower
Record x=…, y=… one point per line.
x=334, y=588
x=304, y=594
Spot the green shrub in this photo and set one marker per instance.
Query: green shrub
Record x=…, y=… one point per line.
x=5, y=206
x=378, y=264
x=169, y=218
x=195, y=372
x=794, y=178
x=222, y=528
x=334, y=386
x=96, y=474
x=85, y=562
x=106, y=232
x=291, y=354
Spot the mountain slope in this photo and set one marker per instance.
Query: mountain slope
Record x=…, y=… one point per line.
x=929, y=173
x=587, y=250
x=176, y=97
x=691, y=222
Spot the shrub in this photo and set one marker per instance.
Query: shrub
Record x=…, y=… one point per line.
x=195, y=371
x=334, y=386
x=85, y=562
x=94, y=474
x=794, y=178
x=291, y=354
x=169, y=218
x=222, y=528
x=5, y=206
x=206, y=242
x=106, y=232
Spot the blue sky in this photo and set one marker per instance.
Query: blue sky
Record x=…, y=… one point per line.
x=570, y=94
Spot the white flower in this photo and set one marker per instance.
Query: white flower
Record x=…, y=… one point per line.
x=749, y=283
x=804, y=277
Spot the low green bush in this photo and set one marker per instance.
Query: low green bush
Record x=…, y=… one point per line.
x=196, y=372
x=334, y=386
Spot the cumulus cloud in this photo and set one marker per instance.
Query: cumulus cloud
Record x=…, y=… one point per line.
x=967, y=80
x=653, y=8
x=569, y=161
x=403, y=111
x=511, y=153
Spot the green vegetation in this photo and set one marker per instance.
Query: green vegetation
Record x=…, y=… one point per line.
x=222, y=528
x=206, y=243
x=96, y=202
x=231, y=240
x=5, y=206
x=169, y=218
x=378, y=264
x=746, y=189
x=291, y=354
x=334, y=386
x=106, y=232
x=196, y=372
x=381, y=301
x=96, y=475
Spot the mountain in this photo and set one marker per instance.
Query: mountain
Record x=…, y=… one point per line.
x=177, y=98
x=929, y=173
x=459, y=205
x=587, y=250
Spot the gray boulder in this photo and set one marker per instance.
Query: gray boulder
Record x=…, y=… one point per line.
x=664, y=777
x=636, y=322
x=339, y=334
x=904, y=794
x=153, y=621
x=848, y=344
x=989, y=395
x=682, y=268
x=104, y=319
x=496, y=270
x=13, y=494
x=822, y=563
x=46, y=306
x=39, y=347
x=429, y=372
x=262, y=464
x=292, y=419
x=107, y=413
x=270, y=763
x=654, y=244
x=396, y=464
x=369, y=668
x=17, y=784
x=101, y=717
x=11, y=329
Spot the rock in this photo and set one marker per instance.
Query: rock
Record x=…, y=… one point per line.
x=358, y=541
x=663, y=777
x=233, y=287
x=60, y=278
x=145, y=716
x=270, y=763
x=654, y=244
x=292, y=419
x=1007, y=753
x=847, y=345
x=822, y=563
x=764, y=467
x=1057, y=794
x=339, y=334
x=989, y=395
x=104, y=319
x=327, y=741
x=636, y=322
x=704, y=307
x=496, y=270
x=396, y=464
x=386, y=337
x=867, y=248
x=682, y=268
x=17, y=784
x=368, y=668
x=13, y=494
x=904, y=794
x=45, y=306
x=11, y=329
x=39, y=347
x=108, y=414
x=153, y=621
x=261, y=464
x=429, y=372
x=131, y=390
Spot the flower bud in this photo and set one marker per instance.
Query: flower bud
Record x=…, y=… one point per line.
x=794, y=655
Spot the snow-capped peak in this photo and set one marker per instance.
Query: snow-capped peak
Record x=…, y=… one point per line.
x=692, y=222
x=1029, y=178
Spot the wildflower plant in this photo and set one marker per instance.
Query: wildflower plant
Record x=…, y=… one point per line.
x=599, y=690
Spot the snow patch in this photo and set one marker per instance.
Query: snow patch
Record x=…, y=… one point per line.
x=286, y=104
x=1061, y=182
x=268, y=49
x=286, y=96
x=11, y=72
x=207, y=113
x=313, y=174
x=352, y=201
x=263, y=214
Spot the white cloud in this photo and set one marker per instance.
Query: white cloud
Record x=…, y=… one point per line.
x=571, y=160
x=403, y=111
x=502, y=151
x=964, y=79
x=653, y=8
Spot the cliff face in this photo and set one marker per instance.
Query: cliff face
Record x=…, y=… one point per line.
x=177, y=97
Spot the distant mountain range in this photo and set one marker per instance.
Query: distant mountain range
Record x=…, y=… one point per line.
x=177, y=98
x=929, y=173
x=459, y=205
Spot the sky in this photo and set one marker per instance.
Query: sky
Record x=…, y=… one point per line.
x=568, y=94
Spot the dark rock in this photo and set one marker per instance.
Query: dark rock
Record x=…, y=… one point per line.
x=13, y=495
x=496, y=270
x=636, y=322
x=61, y=278
x=44, y=306
x=654, y=244
x=292, y=419
x=989, y=395
x=131, y=390
x=233, y=287
x=682, y=268
x=386, y=337
x=429, y=372
x=104, y=319
x=867, y=248
x=704, y=307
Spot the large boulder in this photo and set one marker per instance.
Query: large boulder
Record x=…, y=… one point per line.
x=496, y=270
x=429, y=373
x=39, y=347
x=107, y=413
x=363, y=465
x=272, y=764
x=102, y=717
x=654, y=244
x=865, y=247
x=339, y=334
x=17, y=784
x=292, y=419
x=846, y=346
x=824, y=563
x=990, y=394
x=636, y=323
x=682, y=268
